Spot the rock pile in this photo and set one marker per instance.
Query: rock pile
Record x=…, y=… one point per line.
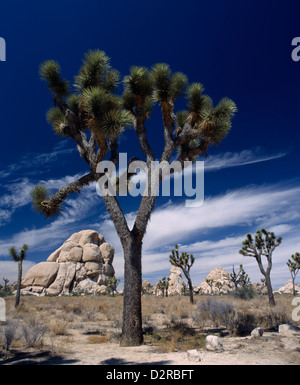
x=288, y=288
x=83, y=263
x=217, y=274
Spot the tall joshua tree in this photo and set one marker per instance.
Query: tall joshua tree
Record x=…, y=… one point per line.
x=294, y=266
x=264, y=244
x=185, y=261
x=18, y=257
x=94, y=116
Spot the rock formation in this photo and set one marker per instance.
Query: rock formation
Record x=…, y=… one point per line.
x=288, y=288
x=83, y=263
x=176, y=282
x=218, y=274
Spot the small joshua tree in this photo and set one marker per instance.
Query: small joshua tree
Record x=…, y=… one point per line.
x=6, y=280
x=219, y=286
x=112, y=284
x=294, y=267
x=18, y=258
x=264, y=244
x=163, y=285
x=210, y=283
x=239, y=279
x=185, y=262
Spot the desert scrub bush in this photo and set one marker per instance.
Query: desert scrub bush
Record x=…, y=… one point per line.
x=8, y=335
x=219, y=312
x=33, y=332
x=242, y=323
x=245, y=292
x=59, y=327
x=271, y=318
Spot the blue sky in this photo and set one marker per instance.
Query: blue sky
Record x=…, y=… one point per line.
x=241, y=50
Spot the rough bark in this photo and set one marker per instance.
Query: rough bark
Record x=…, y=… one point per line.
x=132, y=332
x=19, y=283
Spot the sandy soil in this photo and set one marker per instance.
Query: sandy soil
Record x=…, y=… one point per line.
x=271, y=349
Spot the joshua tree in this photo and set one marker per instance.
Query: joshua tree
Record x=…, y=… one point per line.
x=18, y=258
x=210, y=283
x=94, y=116
x=219, y=286
x=294, y=267
x=239, y=279
x=6, y=280
x=163, y=285
x=264, y=244
x=185, y=262
x=112, y=284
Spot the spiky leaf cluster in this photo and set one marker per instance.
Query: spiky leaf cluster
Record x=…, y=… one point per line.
x=50, y=72
x=184, y=260
x=264, y=243
x=17, y=257
x=294, y=264
x=167, y=86
x=96, y=72
x=40, y=202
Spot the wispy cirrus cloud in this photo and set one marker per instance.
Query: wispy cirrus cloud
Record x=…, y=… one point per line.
x=237, y=159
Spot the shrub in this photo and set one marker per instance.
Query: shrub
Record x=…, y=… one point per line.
x=33, y=332
x=9, y=334
x=220, y=312
x=245, y=292
x=243, y=323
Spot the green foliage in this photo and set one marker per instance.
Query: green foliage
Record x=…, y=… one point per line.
x=184, y=260
x=40, y=197
x=112, y=285
x=17, y=257
x=139, y=82
x=57, y=119
x=263, y=243
x=166, y=86
x=50, y=72
x=104, y=112
x=94, y=72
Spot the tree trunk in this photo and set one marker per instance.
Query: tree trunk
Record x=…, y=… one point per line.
x=191, y=291
x=132, y=333
x=19, y=283
x=270, y=290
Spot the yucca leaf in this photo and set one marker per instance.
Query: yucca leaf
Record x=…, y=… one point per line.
x=50, y=72
x=139, y=81
x=38, y=195
x=57, y=119
x=194, y=96
x=93, y=71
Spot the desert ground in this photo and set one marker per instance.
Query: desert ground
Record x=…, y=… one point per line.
x=85, y=330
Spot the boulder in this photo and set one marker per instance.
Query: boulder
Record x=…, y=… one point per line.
x=42, y=274
x=83, y=257
x=256, y=333
x=175, y=281
x=63, y=279
x=193, y=355
x=107, y=252
x=287, y=329
x=91, y=253
x=213, y=343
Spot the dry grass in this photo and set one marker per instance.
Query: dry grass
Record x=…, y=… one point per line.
x=170, y=324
